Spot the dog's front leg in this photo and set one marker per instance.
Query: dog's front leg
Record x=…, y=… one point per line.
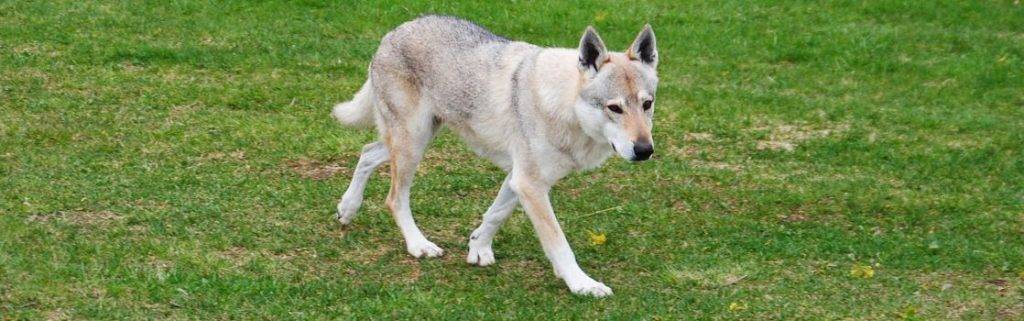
x=533, y=196
x=480, y=252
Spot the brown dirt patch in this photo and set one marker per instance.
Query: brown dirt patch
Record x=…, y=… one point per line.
x=238, y=155
x=785, y=137
x=314, y=169
x=716, y=165
x=794, y=218
x=699, y=137
x=93, y=218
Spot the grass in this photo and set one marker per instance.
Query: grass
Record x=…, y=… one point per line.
x=175, y=160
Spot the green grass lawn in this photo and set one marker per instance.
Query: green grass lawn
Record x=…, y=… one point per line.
x=175, y=160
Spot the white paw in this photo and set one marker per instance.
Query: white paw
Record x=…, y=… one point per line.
x=347, y=209
x=588, y=286
x=424, y=248
x=480, y=256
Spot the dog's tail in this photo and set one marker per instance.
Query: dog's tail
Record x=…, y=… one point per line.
x=357, y=112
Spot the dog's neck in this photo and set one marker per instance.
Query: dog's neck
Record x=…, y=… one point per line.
x=562, y=84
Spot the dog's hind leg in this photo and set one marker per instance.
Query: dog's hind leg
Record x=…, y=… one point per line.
x=373, y=155
x=406, y=144
x=480, y=252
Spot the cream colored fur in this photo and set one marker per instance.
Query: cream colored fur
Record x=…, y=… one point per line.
x=538, y=113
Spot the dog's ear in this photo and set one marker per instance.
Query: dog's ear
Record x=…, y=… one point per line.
x=593, y=53
x=644, y=48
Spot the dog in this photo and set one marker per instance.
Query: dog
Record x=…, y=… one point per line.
x=538, y=113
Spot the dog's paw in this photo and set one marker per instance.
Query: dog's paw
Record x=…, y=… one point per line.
x=480, y=256
x=589, y=287
x=423, y=249
x=347, y=209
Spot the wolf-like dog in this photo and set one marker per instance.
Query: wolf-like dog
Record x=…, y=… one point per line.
x=537, y=113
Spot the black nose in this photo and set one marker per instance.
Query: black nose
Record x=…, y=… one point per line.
x=642, y=151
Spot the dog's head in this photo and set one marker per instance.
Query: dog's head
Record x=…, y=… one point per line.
x=617, y=99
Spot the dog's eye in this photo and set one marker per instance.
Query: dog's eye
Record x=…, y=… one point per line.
x=647, y=104
x=615, y=108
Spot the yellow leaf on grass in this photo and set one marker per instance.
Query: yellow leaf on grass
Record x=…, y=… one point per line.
x=907, y=313
x=597, y=238
x=862, y=271
x=737, y=306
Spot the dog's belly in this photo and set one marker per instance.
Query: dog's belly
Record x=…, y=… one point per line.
x=484, y=145
x=499, y=158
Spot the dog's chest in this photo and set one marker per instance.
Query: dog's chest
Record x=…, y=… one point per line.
x=590, y=155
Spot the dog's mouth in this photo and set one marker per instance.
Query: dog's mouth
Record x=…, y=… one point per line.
x=616, y=152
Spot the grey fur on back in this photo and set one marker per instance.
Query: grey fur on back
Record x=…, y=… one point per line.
x=445, y=59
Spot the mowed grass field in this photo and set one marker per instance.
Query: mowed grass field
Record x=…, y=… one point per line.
x=856, y=160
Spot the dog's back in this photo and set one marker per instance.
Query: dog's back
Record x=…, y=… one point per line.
x=430, y=37
x=448, y=62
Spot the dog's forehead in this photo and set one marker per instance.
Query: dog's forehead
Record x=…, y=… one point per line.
x=629, y=79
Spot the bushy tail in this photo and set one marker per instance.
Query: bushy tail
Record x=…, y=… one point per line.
x=357, y=112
